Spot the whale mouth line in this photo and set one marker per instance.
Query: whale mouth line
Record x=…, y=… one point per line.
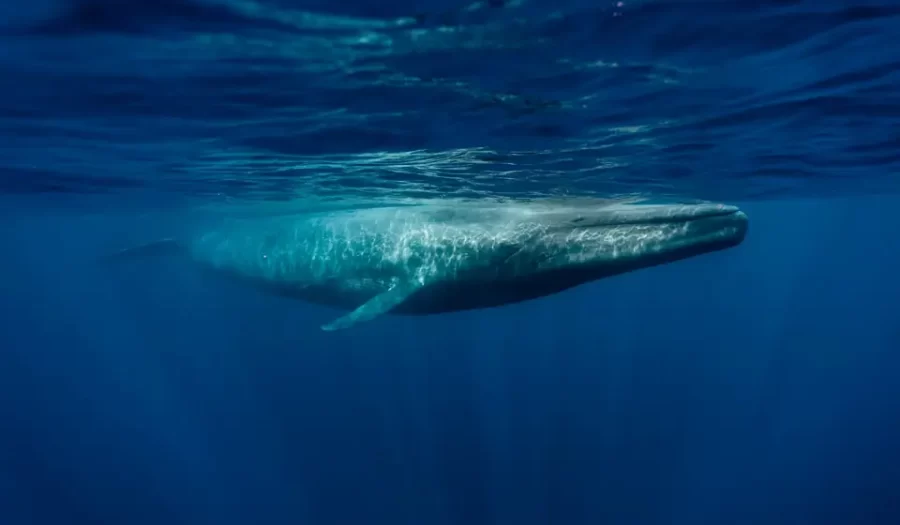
x=681, y=220
x=677, y=218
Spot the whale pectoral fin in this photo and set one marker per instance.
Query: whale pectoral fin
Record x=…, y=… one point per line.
x=378, y=305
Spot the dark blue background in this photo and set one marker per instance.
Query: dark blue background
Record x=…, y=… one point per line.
x=757, y=385
x=754, y=385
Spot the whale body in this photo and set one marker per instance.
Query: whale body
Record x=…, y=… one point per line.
x=452, y=256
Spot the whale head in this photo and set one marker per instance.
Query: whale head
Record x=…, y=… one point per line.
x=607, y=240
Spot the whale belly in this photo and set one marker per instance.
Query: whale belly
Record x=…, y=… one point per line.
x=455, y=296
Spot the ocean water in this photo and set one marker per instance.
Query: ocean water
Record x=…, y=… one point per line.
x=753, y=385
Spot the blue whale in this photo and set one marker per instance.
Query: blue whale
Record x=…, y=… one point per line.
x=447, y=256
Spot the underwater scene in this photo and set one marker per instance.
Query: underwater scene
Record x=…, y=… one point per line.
x=446, y=262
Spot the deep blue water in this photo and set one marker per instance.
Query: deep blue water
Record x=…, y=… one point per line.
x=755, y=385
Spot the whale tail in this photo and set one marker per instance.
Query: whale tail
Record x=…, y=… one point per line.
x=159, y=248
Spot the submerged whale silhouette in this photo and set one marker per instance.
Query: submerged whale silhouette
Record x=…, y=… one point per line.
x=447, y=256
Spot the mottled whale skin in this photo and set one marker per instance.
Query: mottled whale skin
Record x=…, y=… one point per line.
x=453, y=256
